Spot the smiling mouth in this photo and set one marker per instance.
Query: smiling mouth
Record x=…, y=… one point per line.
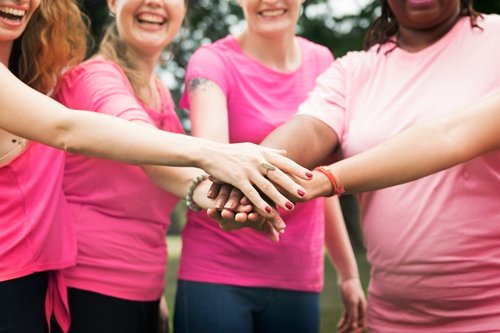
x=151, y=19
x=273, y=13
x=12, y=14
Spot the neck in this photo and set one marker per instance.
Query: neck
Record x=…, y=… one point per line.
x=414, y=40
x=5, y=51
x=281, y=53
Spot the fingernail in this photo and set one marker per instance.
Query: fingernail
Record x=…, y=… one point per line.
x=309, y=174
x=229, y=204
x=218, y=204
x=268, y=209
x=289, y=205
x=301, y=192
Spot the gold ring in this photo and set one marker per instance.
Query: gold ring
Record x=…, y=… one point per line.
x=268, y=167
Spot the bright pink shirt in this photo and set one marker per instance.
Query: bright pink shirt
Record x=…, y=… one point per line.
x=121, y=216
x=434, y=244
x=36, y=229
x=36, y=232
x=259, y=99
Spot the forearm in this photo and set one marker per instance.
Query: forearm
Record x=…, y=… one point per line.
x=424, y=149
x=307, y=140
x=337, y=241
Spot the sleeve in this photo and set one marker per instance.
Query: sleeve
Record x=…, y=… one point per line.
x=208, y=63
x=102, y=87
x=327, y=101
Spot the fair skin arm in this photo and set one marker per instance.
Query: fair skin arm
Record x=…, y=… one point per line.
x=448, y=141
x=342, y=257
x=34, y=116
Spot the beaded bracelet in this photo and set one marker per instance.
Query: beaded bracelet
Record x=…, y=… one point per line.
x=336, y=190
x=189, y=196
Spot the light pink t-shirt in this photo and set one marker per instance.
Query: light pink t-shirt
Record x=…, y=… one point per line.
x=121, y=216
x=259, y=99
x=434, y=244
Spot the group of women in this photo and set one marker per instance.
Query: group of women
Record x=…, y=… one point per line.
x=82, y=243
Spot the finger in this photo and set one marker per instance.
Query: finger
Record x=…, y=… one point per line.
x=227, y=214
x=261, y=206
x=223, y=196
x=273, y=235
x=234, y=199
x=213, y=213
x=253, y=216
x=213, y=191
x=269, y=190
x=354, y=314
x=244, y=201
x=279, y=178
x=287, y=165
x=241, y=217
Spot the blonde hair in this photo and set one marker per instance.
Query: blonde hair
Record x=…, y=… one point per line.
x=55, y=39
x=114, y=49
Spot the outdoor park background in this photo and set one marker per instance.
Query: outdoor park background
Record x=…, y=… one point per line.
x=338, y=24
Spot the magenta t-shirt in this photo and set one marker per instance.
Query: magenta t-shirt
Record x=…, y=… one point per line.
x=121, y=216
x=434, y=244
x=36, y=231
x=259, y=99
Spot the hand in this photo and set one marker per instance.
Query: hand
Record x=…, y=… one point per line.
x=354, y=313
x=229, y=220
x=246, y=166
x=163, y=316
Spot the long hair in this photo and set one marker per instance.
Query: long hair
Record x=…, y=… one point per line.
x=385, y=27
x=113, y=48
x=55, y=39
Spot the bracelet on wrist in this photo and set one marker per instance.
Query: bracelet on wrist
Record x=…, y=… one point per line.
x=189, y=196
x=336, y=189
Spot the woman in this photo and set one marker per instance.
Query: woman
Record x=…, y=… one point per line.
x=431, y=243
x=37, y=238
x=239, y=89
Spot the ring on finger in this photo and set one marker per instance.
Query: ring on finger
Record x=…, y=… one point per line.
x=268, y=167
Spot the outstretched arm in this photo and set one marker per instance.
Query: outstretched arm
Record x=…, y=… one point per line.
x=424, y=149
x=32, y=115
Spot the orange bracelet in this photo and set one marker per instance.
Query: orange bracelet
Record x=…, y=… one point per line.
x=337, y=190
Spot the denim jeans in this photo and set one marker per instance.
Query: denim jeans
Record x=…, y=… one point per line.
x=217, y=308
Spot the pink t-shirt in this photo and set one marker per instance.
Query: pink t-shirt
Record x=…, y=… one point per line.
x=259, y=99
x=36, y=233
x=121, y=216
x=434, y=244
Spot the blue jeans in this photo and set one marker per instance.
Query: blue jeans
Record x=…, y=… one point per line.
x=217, y=308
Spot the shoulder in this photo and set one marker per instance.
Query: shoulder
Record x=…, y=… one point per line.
x=92, y=69
x=222, y=48
x=489, y=22
x=315, y=49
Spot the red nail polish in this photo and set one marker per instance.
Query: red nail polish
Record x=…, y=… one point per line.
x=309, y=174
x=289, y=205
x=268, y=209
x=301, y=193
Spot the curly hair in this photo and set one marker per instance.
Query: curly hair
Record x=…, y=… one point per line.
x=55, y=39
x=385, y=27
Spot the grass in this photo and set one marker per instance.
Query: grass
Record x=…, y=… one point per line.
x=331, y=306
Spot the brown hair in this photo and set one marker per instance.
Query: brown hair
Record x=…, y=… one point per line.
x=385, y=27
x=55, y=39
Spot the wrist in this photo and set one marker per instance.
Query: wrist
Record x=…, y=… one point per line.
x=190, y=203
x=330, y=184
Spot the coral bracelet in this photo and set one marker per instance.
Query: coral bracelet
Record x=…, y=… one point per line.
x=336, y=190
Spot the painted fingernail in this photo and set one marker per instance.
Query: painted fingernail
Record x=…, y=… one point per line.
x=301, y=192
x=309, y=174
x=289, y=205
x=268, y=209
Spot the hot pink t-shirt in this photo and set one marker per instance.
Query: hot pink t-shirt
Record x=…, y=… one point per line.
x=121, y=216
x=259, y=99
x=434, y=244
x=36, y=232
